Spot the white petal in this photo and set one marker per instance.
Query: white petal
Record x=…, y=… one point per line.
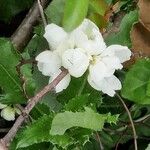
x=88, y=37
x=107, y=85
x=76, y=61
x=112, y=62
x=99, y=70
x=48, y=62
x=2, y=106
x=8, y=113
x=67, y=44
x=63, y=84
x=122, y=52
x=93, y=83
x=110, y=84
x=54, y=35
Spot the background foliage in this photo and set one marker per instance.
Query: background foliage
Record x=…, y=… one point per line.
x=79, y=117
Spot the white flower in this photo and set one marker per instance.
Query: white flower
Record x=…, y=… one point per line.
x=103, y=61
x=79, y=50
x=49, y=62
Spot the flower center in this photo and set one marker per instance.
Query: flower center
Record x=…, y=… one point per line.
x=93, y=60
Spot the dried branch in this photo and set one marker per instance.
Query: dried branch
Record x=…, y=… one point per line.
x=4, y=143
x=130, y=118
x=100, y=142
x=42, y=13
x=24, y=32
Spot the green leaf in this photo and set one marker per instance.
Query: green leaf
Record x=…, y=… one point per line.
x=123, y=36
x=74, y=13
x=38, y=132
x=9, y=8
x=98, y=6
x=77, y=102
x=136, y=85
x=112, y=119
x=99, y=20
x=81, y=135
x=26, y=71
x=9, y=80
x=54, y=11
x=87, y=119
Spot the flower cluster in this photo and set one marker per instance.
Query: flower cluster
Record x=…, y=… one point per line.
x=8, y=112
x=83, y=48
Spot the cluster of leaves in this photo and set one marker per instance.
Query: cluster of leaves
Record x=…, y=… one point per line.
x=77, y=117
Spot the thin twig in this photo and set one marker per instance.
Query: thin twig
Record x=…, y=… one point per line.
x=100, y=142
x=130, y=118
x=32, y=102
x=142, y=118
x=42, y=13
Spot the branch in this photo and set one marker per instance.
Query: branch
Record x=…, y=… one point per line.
x=4, y=143
x=100, y=142
x=24, y=32
x=130, y=118
x=42, y=13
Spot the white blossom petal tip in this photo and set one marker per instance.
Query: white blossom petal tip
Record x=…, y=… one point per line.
x=107, y=85
x=54, y=35
x=63, y=84
x=122, y=52
x=76, y=61
x=48, y=62
x=88, y=37
x=110, y=85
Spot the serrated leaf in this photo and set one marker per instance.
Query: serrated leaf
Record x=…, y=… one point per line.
x=72, y=13
x=87, y=119
x=54, y=11
x=9, y=80
x=136, y=84
x=38, y=132
x=77, y=102
x=81, y=135
x=112, y=119
x=123, y=36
